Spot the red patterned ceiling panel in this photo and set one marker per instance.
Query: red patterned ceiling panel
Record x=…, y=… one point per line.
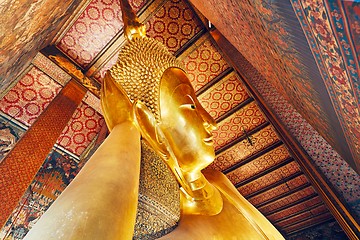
x=294, y=209
x=271, y=178
x=258, y=165
x=276, y=191
x=233, y=127
x=243, y=149
x=136, y=5
x=286, y=200
x=223, y=96
x=30, y=96
x=301, y=180
x=95, y=27
x=173, y=25
x=204, y=64
x=81, y=129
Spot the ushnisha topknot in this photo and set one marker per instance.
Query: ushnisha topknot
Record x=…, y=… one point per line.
x=140, y=66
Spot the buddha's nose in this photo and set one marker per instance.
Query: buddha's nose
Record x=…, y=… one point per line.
x=209, y=122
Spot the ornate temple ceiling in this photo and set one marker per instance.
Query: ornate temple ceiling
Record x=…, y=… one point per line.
x=249, y=149
x=307, y=50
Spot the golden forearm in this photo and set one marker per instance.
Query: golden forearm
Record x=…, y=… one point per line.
x=100, y=203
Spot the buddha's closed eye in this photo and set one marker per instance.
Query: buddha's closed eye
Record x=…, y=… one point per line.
x=190, y=103
x=188, y=106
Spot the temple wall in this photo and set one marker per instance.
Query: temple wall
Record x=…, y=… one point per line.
x=26, y=27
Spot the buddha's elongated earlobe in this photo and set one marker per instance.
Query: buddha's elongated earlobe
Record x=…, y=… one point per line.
x=115, y=104
x=146, y=123
x=151, y=131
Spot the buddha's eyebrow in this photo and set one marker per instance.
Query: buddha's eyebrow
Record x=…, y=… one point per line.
x=191, y=98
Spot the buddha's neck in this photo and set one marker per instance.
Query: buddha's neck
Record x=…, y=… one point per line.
x=206, y=199
x=199, y=185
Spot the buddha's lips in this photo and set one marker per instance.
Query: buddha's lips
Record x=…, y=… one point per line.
x=209, y=140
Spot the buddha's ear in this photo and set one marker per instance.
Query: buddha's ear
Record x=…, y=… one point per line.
x=149, y=128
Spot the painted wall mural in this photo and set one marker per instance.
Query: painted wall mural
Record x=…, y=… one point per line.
x=307, y=51
x=58, y=170
x=10, y=133
x=331, y=27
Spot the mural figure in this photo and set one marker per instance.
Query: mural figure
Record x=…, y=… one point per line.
x=56, y=173
x=148, y=94
x=9, y=135
x=7, y=140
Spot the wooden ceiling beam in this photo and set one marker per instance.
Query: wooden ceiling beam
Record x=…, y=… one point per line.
x=313, y=195
x=299, y=212
x=149, y=9
x=283, y=195
x=253, y=157
x=263, y=173
x=309, y=226
x=67, y=64
x=190, y=43
x=275, y=184
x=307, y=218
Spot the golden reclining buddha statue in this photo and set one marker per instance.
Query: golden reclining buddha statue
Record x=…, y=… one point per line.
x=148, y=95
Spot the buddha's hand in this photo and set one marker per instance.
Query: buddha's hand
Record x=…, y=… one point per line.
x=115, y=104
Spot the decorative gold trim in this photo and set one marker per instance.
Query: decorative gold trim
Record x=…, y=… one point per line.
x=71, y=69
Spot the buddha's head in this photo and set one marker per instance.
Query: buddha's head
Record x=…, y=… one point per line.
x=167, y=110
x=184, y=122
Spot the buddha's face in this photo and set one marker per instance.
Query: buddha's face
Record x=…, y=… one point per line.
x=185, y=123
